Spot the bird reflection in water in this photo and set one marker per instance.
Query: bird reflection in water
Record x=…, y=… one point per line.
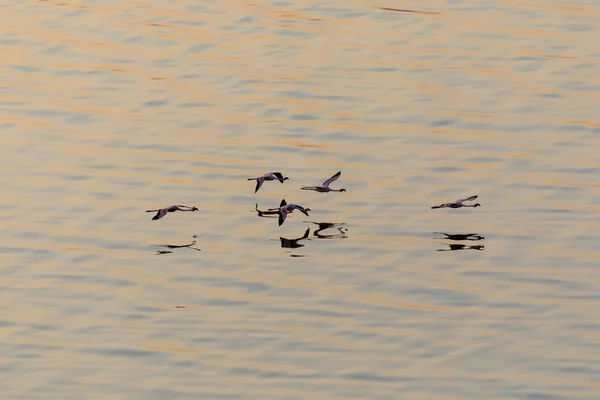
x=287, y=243
x=269, y=213
x=453, y=247
x=475, y=237
x=466, y=236
x=176, y=246
x=328, y=225
x=293, y=243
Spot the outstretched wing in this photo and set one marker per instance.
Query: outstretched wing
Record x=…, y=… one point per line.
x=160, y=214
x=467, y=199
x=283, y=203
x=333, y=178
x=259, y=182
x=281, y=218
x=279, y=176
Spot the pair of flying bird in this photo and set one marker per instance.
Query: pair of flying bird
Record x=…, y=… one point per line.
x=283, y=210
x=273, y=176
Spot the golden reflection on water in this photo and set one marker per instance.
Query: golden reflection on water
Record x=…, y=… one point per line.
x=117, y=109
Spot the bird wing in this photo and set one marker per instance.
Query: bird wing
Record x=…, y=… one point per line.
x=333, y=178
x=282, y=216
x=467, y=199
x=161, y=213
x=279, y=176
x=283, y=203
x=259, y=182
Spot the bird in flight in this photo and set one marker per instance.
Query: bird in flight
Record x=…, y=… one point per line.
x=459, y=203
x=324, y=188
x=271, y=176
x=163, y=211
x=285, y=209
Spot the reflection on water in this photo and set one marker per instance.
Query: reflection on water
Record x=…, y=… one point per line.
x=268, y=213
x=293, y=243
x=328, y=225
x=176, y=246
x=106, y=106
x=452, y=247
x=460, y=237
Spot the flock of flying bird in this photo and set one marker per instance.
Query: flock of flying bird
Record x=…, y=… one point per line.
x=285, y=209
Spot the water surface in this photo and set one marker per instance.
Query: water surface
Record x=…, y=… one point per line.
x=111, y=108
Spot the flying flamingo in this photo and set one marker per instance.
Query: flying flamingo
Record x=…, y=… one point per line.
x=324, y=188
x=459, y=203
x=271, y=176
x=285, y=209
x=163, y=211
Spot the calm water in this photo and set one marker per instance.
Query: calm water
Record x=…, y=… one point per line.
x=111, y=108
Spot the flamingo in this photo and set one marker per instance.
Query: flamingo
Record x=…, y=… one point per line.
x=459, y=203
x=163, y=211
x=324, y=188
x=285, y=209
x=271, y=176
